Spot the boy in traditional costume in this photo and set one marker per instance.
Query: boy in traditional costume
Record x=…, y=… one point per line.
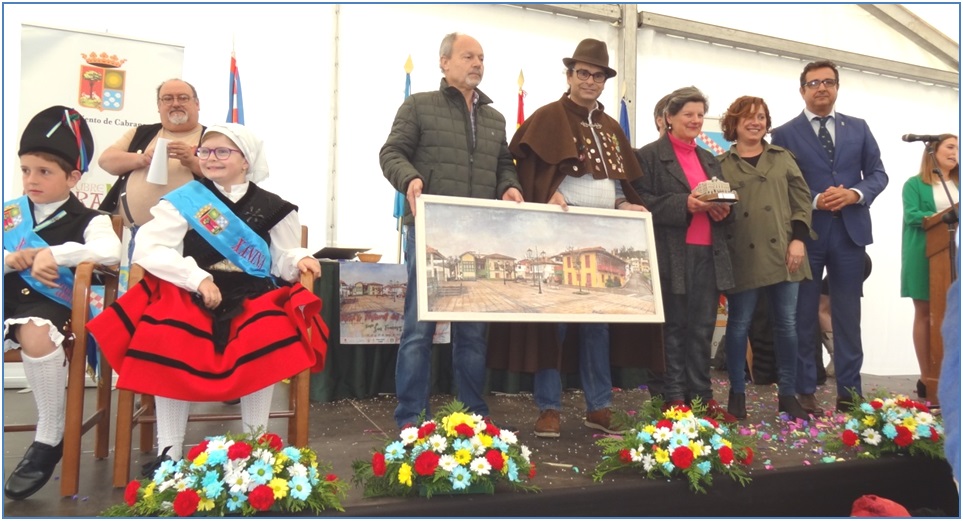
x=216, y=316
x=47, y=232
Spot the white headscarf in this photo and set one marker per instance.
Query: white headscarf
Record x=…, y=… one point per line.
x=251, y=146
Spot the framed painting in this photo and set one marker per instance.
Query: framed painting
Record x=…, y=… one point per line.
x=499, y=261
x=372, y=304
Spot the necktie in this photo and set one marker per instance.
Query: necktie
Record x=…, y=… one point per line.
x=825, y=139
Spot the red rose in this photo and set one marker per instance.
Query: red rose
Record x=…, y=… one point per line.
x=922, y=408
x=185, y=503
x=876, y=404
x=682, y=457
x=715, y=424
x=331, y=477
x=664, y=423
x=426, y=463
x=495, y=459
x=850, y=438
x=726, y=455
x=130, y=494
x=425, y=430
x=747, y=460
x=239, y=450
x=935, y=436
x=903, y=436
x=273, y=441
x=261, y=498
x=491, y=429
x=531, y=471
x=464, y=430
x=625, y=456
x=378, y=464
x=196, y=450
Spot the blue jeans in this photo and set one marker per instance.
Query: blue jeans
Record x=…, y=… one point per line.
x=690, y=320
x=782, y=309
x=594, y=370
x=413, y=368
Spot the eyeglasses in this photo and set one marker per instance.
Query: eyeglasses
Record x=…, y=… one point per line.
x=168, y=99
x=219, y=152
x=599, y=77
x=814, y=84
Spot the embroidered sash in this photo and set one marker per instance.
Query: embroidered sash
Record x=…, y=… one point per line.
x=19, y=233
x=222, y=228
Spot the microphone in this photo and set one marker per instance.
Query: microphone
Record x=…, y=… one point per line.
x=912, y=138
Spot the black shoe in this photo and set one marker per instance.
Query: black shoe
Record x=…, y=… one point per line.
x=232, y=402
x=920, y=389
x=737, y=405
x=844, y=404
x=790, y=405
x=149, y=468
x=34, y=470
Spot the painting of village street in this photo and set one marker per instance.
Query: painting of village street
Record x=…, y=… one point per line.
x=509, y=262
x=372, y=300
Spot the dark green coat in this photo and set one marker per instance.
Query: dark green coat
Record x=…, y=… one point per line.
x=431, y=139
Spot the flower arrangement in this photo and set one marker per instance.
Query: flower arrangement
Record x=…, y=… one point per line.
x=235, y=475
x=890, y=424
x=456, y=452
x=678, y=442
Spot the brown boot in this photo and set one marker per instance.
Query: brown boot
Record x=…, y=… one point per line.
x=809, y=404
x=601, y=420
x=548, y=424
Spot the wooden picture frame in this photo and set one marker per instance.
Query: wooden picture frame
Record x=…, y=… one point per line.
x=499, y=261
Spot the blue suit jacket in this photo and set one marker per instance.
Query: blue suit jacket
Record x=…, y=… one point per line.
x=857, y=165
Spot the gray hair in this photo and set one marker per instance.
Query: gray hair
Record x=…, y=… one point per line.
x=447, y=43
x=679, y=97
x=161, y=86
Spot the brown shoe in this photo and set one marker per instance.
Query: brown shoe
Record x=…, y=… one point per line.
x=548, y=424
x=808, y=403
x=601, y=420
x=716, y=412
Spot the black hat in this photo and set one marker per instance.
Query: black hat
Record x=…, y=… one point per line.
x=60, y=131
x=593, y=52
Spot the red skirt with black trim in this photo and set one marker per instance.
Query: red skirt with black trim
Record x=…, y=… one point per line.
x=160, y=342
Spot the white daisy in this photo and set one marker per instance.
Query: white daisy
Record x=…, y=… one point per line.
x=447, y=462
x=409, y=435
x=438, y=443
x=526, y=453
x=298, y=470
x=264, y=455
x=648, y=462
x=871, y=437
x=480, y=466
x=476, y=444
x=662, y=434
x=508, y=437
x=217, y=443
x=636, y=454
x=239, y=482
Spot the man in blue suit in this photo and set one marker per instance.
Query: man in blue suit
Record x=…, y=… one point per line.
x=840, y=160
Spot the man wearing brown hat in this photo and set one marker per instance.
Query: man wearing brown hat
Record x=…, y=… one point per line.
x=570, y=152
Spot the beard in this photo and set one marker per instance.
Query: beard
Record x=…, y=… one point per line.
x=178, y=118
x=472, y=80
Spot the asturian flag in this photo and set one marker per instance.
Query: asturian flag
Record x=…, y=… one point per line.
x=399, y=210
x=235, y=108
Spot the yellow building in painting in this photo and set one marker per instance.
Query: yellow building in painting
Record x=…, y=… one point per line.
x=593, y=268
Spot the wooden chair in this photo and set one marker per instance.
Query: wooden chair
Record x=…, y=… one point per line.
x=144, y=416
x=75, y=425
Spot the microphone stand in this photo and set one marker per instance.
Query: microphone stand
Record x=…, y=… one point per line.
x=951, y=218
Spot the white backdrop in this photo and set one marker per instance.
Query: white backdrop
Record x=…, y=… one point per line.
x=322, y=111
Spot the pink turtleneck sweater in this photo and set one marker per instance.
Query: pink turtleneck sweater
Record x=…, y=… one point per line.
x=699, y=232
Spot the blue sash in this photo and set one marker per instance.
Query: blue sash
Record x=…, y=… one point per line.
x=222, y=229
x=19, y=233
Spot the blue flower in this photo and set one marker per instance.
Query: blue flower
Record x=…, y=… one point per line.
x=459, y=444
x=292, y=452
x=704, y=467
x=261, y=472
x=668, y=466
x=889, y=431
x=460, y=478
x=418, y=449
x=216, y=458
x=498, y=443
x=395, y=451
x=715, y=441
x=299, y=488
x=213, y=490
x=165, y=469
x=679, y=440
x=923, y=431
x=210, y=477
x=312, y=475
x=644, y=437
x=867, y=408
x=512, y=471
x=235, y=502
x=853, y=424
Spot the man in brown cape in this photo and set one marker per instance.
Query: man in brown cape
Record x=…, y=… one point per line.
x=570, y=152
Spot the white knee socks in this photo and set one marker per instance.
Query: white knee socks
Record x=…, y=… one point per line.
x=171, y=425
x=256, y=409
x=47, y=378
